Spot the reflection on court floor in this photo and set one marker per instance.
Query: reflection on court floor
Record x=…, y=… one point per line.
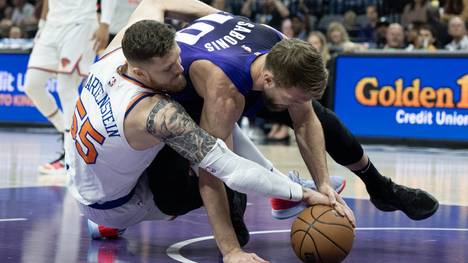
x=40, y=222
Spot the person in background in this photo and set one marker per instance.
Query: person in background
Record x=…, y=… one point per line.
x=339, y=40
x=23, y=13
x=457, y=30
x=349, y=22
x=428, y=41
x=65, y=46
x=318, y=41
x=299, y=25
x=395, y=37
x=439, y=28
x=286, y=28
x=270, y=12
x=453, y=8
x=15, y=33
x=5, y=10
x=368, y=30
x=412, y=36
x=415, y=10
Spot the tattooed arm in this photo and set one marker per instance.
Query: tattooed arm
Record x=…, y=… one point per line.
x=168, y=122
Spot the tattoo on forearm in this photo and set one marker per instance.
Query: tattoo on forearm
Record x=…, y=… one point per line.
x=169, y=122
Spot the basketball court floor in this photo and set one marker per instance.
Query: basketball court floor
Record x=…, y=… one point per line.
x=40, y=222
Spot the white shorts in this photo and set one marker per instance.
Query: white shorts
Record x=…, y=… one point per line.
x=64, y=48
x=139, y=208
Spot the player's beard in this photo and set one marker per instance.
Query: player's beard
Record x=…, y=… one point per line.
x=175, y=84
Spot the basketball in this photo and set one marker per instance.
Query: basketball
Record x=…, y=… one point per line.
x=319, y=234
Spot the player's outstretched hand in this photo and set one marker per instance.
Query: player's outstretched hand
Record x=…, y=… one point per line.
x=101, y=37
x=338, y=203
x=239, y=256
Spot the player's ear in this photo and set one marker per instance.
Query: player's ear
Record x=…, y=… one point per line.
x=268, y=79
x=141, y=73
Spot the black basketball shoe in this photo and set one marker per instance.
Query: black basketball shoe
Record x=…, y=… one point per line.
x=417, y=204
x=237, y=206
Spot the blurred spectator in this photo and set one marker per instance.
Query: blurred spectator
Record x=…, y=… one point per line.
x=457, y=30
x=395, y=37
x=428, y=41
x=412, y=36
x=439, y=28
x=235, y=6
x=367, y=31
x=23, y=13
x=341, y=6
x=15, y=40
x=394, y=8
x=381, y=33
x=338, y=39
x=286, y=28
x=319, y=42
x=453, y=8
x=299, y=26
x=349, y=22
x=416, y=10
x=314, y=7
x=270, y=12
x=5, y=18
x=5, y=10
x=15, y=33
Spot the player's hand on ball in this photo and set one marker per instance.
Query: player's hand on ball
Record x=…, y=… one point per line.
x=239, y=256
x=338, y=203
x=312, y=197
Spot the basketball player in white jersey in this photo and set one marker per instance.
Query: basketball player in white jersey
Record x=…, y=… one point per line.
x=65, y=46
x=122, y=120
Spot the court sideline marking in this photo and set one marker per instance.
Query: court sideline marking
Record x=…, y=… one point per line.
x=173, y=251
x=12, y=219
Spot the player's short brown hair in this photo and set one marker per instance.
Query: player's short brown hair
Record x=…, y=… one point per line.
x=147, y=39
x=296, y=63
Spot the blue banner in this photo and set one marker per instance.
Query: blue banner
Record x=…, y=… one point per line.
x=396, y=96
x=15, y=106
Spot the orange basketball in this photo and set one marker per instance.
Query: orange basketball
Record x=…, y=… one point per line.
x=320, y=234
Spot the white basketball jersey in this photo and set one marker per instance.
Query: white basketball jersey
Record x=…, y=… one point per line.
x=71, y=11
x=102, y=165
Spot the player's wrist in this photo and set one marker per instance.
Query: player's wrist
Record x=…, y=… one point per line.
x=104, y=25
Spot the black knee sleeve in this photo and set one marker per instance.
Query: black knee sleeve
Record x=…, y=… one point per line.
x=175, y=190
x=342, y=146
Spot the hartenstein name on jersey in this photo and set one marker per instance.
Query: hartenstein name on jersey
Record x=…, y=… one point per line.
x=237, y=34
x=94, y=86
